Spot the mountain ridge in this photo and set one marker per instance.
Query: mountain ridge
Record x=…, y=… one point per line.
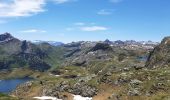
x=17, y=53
x=45, y=55
x=104, y=69
x=159, y=57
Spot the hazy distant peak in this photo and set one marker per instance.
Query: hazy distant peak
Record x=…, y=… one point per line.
x=6, y=37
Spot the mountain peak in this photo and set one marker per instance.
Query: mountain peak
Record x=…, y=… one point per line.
x=6, y=37
x=166, y=41
x=160, y=56
x=108, y=41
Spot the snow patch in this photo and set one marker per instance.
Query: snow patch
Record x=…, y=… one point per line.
x=54, y=75
x=46, y=98
x=79, y=97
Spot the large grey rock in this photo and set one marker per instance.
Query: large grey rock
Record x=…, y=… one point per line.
x=160, y=56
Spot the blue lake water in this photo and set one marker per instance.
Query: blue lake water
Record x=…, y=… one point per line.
x=7, y=86
x=142, y=58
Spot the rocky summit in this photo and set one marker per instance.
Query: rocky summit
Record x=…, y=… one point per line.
x=160, y=56
x=6, y=37
x=99, y=70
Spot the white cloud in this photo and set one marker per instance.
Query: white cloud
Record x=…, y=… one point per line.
x=105, y=12
x=19, y=8
x=33, y=31
x=80, y=26
x=115, y=1
x=83, y=23
x=94, y=28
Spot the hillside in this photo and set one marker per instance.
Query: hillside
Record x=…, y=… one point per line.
x=160, y=56
x=24, y=54
x=103, y=70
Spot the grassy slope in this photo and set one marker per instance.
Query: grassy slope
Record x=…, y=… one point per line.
x=156, y=81
x=6, y=97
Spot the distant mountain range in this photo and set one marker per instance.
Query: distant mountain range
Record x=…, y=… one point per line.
x=88, y=68
x=132, y=44
x=118, y=42
x=43, y=55
x=54, y=43
x=15, y=53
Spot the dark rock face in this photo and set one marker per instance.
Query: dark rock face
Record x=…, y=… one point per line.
x=6, y=37
x=83, y=53
x=72, y=52
x=5, y=64
x=160, y=56
x=16, y=53
x=24, y=46
x=108, y=42
x=101, y=46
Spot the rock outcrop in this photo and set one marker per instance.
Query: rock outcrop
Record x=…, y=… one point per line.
x=160, y=56
x=6, y=37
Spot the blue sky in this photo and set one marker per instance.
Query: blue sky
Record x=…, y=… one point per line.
x=89, y=20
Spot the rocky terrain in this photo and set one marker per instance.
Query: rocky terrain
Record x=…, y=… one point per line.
x=160, y=56
x=103, y=70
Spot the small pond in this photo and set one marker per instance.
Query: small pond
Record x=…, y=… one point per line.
x=8, y=85
x=142, y=58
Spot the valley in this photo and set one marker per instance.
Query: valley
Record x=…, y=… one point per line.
x=101, y=70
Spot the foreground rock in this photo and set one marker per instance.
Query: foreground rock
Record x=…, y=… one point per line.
x=160, y=56
x=78, y=89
